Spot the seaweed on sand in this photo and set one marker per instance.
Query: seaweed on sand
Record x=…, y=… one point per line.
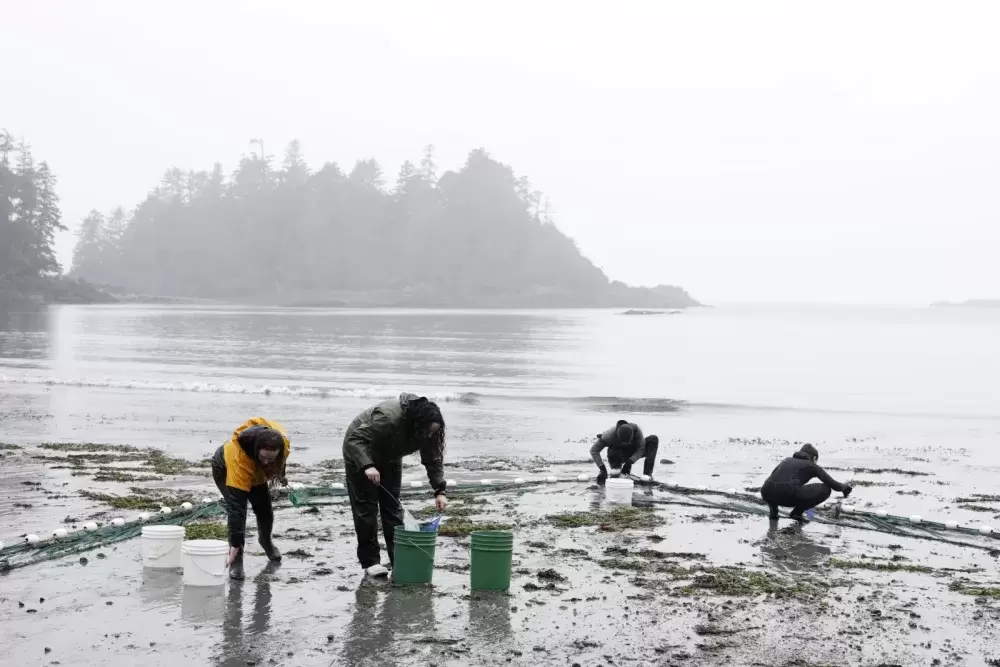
x=460, y=527
x=877, y=566
x=963, y=586
x=206, y=530
x=737, y=582
x=619, y=518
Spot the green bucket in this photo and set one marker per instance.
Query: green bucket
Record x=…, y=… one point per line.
x=491, y=555
x=414, y=559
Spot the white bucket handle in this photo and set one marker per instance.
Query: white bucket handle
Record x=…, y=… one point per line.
x=211, y=574
x=152, y=552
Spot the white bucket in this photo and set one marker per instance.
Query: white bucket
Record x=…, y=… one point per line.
x=161, y=546
x=204, y=562
x=618, y=491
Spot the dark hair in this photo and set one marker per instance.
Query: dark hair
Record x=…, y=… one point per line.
x=625, y=432
x=272, y=439
x=422, y=413
x=810, y=451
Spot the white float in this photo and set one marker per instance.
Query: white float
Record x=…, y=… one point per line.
x=847, y=509
x=90, y=526
x=204, y=562
x=646, y=478
x=1, y=546
x=731, y=492
x=161, y=546
x=951, y=525
x=165, y=510
x=451, y=484
x=206, y=501
x=582, y=478
x=118, y=521
x=32, y=539
x=144, y=516
x=186, y=506
x=59, y=533
x=916, y=518
x=881, y=514
x=519, y=480
x=484, y=482
x=416, y=484
x=985, y=530
x=337, y=485
x=702, y=487
x=551, y=480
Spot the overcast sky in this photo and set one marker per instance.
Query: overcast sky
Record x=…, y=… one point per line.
x=748, y=151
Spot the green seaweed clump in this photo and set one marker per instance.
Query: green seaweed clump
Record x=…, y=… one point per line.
x=87, y=447
x=877, y=566
x=737, y=582
x=619, y=518
x=454, y=510
x=131, y=502
x=162, y=464
x=9, y=446
x=206, y=531
x=622, y=563
x=976, y=591
x=461, y=527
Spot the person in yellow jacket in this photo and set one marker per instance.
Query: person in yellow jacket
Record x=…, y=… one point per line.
x=244, y=469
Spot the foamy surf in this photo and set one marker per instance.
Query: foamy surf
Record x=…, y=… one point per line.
x=377, y=393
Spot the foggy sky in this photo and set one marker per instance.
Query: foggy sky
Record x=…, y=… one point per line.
x=845, y=152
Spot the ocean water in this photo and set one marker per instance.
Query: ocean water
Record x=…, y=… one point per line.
x=722, y=387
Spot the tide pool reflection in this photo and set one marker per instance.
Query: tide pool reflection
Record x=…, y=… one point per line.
x=241, y=645
x=160, y=588
x=792, y=550
x=374, y=628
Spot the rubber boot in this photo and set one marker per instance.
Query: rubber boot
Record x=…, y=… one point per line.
x=773, y=516
x=270, y=550
x=236, y=568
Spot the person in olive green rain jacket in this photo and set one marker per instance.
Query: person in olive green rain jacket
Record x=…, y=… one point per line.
x=374, y=447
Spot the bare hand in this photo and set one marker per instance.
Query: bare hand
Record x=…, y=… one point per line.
x=373, y=476
x=234, y=552
x=440, y=502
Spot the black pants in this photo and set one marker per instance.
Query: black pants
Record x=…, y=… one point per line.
x=260, y=501
x=616, y=457
x=806, y=497
x=367, y=502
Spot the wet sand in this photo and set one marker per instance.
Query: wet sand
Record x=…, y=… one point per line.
x=688, y=586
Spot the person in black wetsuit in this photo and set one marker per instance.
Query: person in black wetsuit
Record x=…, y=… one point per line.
x=626, y=445
x=787, y=487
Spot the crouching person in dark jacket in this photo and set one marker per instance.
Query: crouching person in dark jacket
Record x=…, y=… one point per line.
x=374, y=447
x=787, y=487
x=626, y=445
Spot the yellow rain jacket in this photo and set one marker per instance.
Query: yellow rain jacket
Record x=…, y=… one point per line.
x=239, y=454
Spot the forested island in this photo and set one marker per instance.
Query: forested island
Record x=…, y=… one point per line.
x=29, y=219
x=286, y=234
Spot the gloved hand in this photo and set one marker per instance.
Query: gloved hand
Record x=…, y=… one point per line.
x=627, y=468
x=847, y=490
x=602, y=476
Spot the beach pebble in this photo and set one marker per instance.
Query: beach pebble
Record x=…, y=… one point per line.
x=186, y=506
x=90, y=526
x=118, y=521
x=32, y=539
x=59, y=533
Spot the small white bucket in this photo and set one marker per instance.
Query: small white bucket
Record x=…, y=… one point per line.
x=204, y=562
x=618, y=491
x=161, y=546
